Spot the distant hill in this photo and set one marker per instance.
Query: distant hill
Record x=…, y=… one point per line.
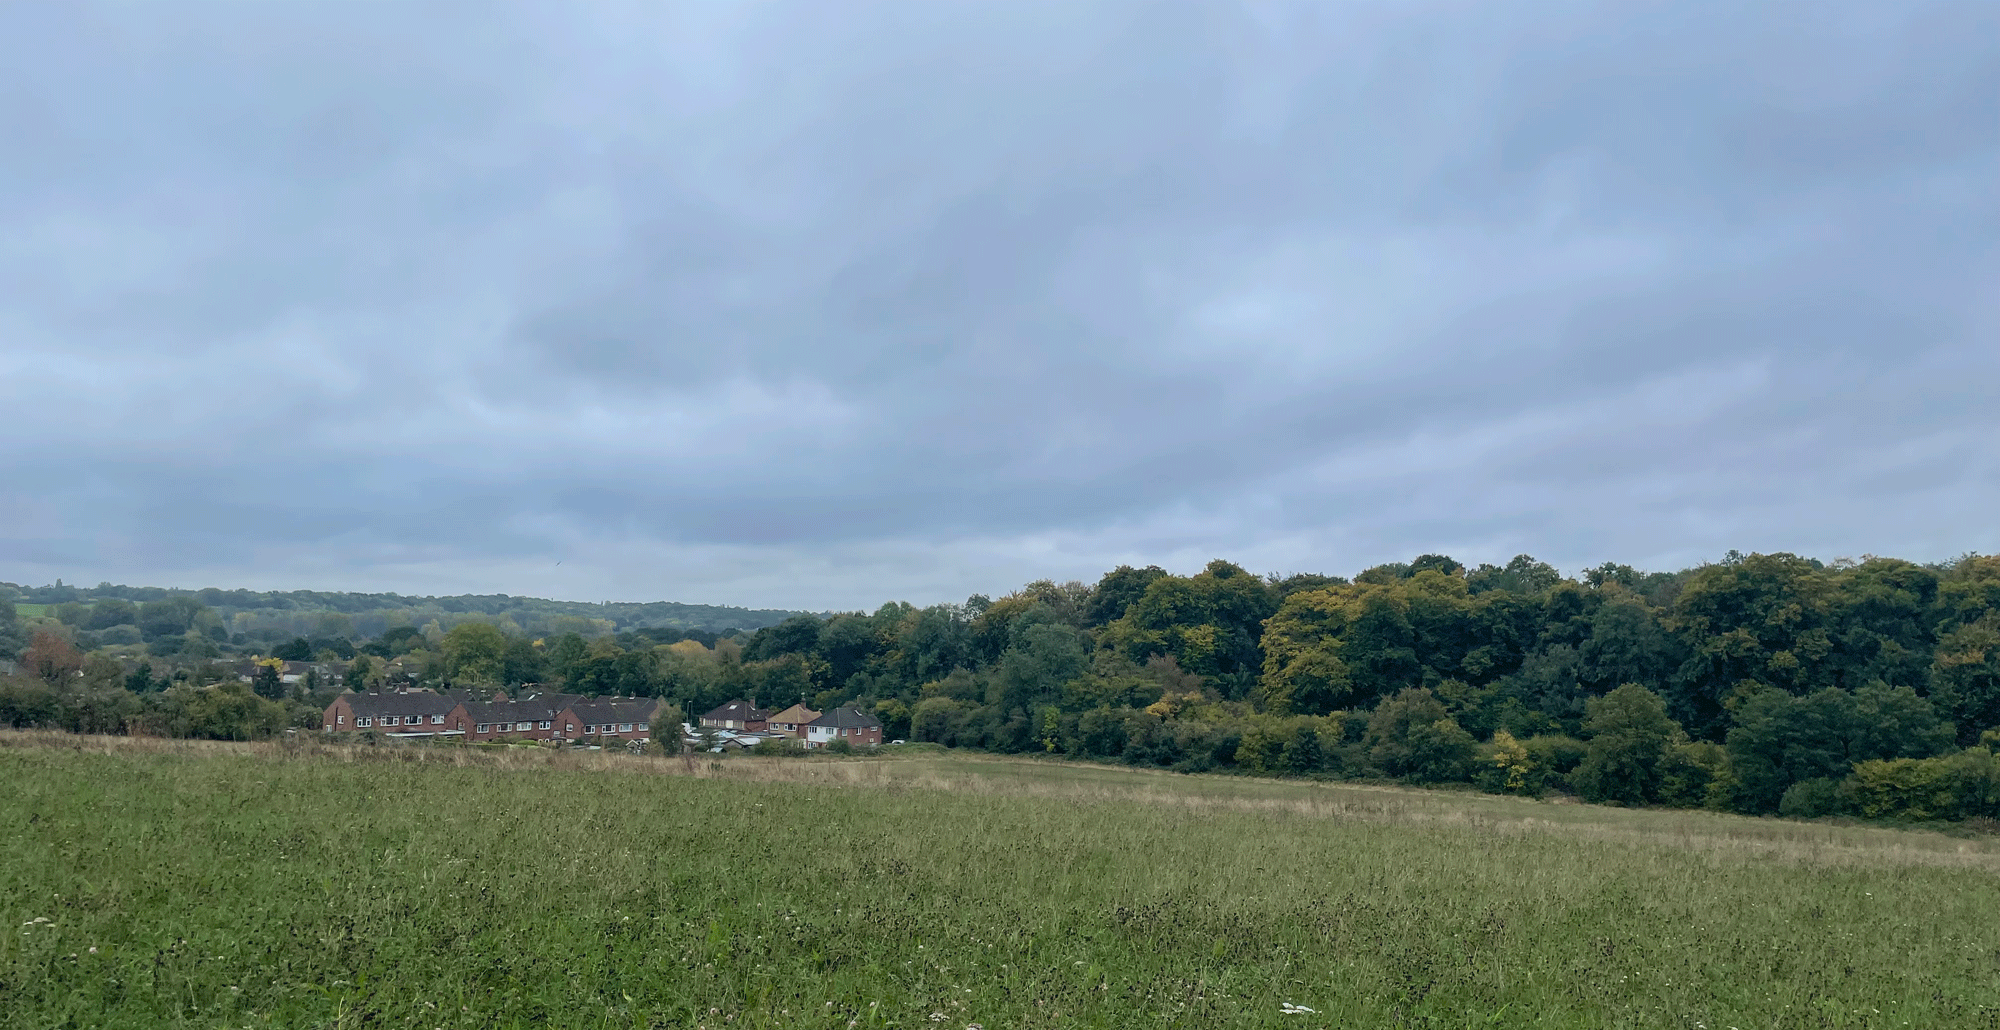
x=283, y=614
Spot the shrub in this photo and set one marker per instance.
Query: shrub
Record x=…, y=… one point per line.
x=1412, y=736
x=1811, y=799
x=1957, y=786
x=1630, y=738
x=1697, y=774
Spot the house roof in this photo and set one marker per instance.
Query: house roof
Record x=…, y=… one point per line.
x=543, y=706
x=795, y=714
x=616, y=709
x=738, y=711
x=848, y=718
x=415, y=702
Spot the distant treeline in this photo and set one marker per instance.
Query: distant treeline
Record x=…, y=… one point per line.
x=1759, y=684
x=265, y=616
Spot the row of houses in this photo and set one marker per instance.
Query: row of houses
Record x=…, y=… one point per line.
x=574, y=717
x=423, y=713
x=798, y=722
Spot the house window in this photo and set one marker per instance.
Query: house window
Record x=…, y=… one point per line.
x=482, y=727
x=524, y=726
x=545, y=724
x=340, y=720
x=569, y=727
x=642, y=727
x=437, y=720
x=389, y=720
x=624, y=727
x=592, y=728
x=364, y=721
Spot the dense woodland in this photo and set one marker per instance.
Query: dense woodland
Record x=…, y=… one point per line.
x=1759, y=684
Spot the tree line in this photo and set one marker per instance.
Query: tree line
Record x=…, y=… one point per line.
x=118, y=614
x=1763, y=683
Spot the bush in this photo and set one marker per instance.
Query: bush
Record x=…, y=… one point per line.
x=1411, y=736
x=1959, y=786
x=1811, y=799
x=1631, y=737
x=1697, y=774
x=840, y=746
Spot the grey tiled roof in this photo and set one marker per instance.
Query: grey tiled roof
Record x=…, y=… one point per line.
x=415, y=702
x=848, y=718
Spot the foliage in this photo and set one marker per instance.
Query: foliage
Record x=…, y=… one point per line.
x=51, y=657
x=1630, y=741
x=474, y=652
x=1723, y=686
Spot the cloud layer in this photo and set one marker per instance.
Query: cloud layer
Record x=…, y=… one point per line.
x=818, y=305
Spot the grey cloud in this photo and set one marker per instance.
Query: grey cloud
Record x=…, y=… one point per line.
x=806, y=305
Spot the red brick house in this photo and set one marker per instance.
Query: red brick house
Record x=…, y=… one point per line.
x=408, y=713
x=611, y=718
x=531, y=718
x=738, y=715
x=849, y=724
x=792, y=721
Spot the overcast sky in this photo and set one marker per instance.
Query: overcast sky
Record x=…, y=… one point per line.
x=823, y=304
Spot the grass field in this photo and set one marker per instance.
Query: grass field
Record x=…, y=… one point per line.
x=170, y=884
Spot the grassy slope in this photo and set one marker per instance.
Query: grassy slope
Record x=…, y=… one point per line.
x=244, y=885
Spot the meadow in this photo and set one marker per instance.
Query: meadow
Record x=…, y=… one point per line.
x=156, y=883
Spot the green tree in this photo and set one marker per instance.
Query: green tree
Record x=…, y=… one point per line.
x=1965, y=676
x=474, y=652
x=399, y=640
x=169, y=617
x=525, y=663
x=1752, y=621
x=1523, y=575
x=1630, y=736
x=1413, y=737
x=112, y=611
x=267, y=684
x=1303, y=755
x=1780, y=740
x=12, y=637
x=1119, y=590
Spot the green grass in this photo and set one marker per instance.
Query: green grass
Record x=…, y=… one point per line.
x=33, y=611
x=247, y=885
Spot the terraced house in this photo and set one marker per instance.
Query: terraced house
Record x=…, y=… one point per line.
x=413, y=713
x=619, y=718
x=530, y=718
